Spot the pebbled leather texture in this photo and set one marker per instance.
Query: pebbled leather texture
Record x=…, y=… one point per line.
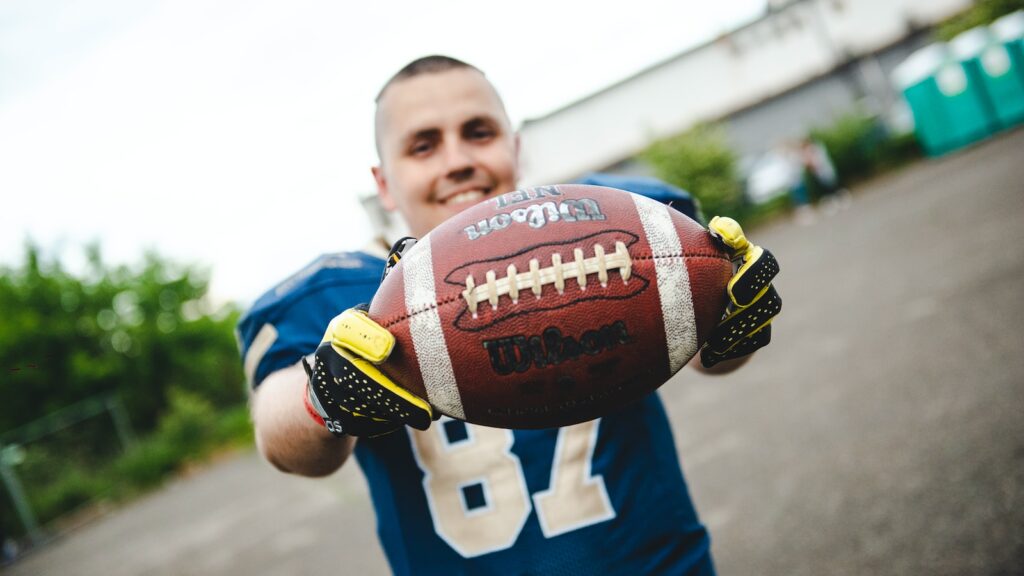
x=567, y=356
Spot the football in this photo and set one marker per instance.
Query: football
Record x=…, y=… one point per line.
x=550, y=306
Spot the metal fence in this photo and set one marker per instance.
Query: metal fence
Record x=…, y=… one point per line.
x=35, y=457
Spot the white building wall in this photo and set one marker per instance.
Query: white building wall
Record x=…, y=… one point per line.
x=803, y=40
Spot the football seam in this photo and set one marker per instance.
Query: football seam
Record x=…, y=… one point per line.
x=458, y=297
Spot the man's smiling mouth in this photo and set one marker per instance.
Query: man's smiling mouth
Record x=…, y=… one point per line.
x=468, y=196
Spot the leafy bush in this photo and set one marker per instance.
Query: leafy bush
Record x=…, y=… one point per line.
x=234, y=427
x=136, y=331
x=851, y=142
x=189, y=424
x=146, y=333
x=981, y=13
x=74, y=488
x=860, y=147
x=897, y=150
x=701, y=162
x=146, y=465
x=187, y=432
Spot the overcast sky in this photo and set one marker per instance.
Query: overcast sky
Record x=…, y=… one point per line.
x=238, y=135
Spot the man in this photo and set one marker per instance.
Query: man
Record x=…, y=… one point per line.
x=605, y=496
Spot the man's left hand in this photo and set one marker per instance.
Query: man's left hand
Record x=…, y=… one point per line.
x=753, y=301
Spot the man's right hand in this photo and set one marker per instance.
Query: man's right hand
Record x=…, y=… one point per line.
x=346, y=390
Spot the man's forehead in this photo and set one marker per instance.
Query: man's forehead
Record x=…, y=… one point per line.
x=429, y=100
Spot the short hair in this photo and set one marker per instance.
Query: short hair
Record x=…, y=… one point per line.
x=432, y=64
x=426, y=65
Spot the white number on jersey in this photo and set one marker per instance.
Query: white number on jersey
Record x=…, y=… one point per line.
x=477, y=493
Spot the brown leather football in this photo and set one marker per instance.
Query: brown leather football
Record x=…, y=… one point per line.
x=551, y=306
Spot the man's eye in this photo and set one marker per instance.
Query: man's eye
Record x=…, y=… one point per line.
x=481, y=133
x=420, y=148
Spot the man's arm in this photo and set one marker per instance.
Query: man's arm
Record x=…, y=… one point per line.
x=286, y=435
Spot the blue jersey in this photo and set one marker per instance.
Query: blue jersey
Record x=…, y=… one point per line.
x=288, y=322
x=605, y=496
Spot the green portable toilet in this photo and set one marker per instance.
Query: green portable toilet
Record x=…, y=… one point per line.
x=917, y=78
x=972, y=107
x=1010, y=31
x=987, y=63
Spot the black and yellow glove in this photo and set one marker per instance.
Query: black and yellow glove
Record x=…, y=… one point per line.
x=753, y=301
x=346, y=390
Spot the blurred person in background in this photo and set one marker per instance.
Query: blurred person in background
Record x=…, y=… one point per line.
x=604, y=497
x=796, y=163
x=820, y=180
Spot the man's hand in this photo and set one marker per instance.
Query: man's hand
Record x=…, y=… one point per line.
x=346, y=390
x=753, y=301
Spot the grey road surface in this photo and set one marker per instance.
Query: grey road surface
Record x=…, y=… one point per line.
x=881, y=433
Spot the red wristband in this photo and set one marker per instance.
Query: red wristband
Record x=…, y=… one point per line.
x=309, y=408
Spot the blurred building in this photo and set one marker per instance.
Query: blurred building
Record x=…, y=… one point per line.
x=801, y=64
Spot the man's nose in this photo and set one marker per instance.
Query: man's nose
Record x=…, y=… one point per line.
x=458, y=162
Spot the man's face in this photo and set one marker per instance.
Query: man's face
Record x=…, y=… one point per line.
x=445, y=144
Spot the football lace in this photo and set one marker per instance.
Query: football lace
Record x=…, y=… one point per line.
x=536, y=277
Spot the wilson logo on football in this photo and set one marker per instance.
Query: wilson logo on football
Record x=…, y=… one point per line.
x=519, y=353
x=536, y=215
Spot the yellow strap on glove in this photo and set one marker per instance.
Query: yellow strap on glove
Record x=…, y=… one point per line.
x=354, y=331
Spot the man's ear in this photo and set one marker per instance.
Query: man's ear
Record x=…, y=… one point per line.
x=386, y=201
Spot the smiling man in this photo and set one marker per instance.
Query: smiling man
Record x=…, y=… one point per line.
x=447, y=143
x=601, y=497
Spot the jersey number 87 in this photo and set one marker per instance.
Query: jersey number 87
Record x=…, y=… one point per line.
x=483, y=462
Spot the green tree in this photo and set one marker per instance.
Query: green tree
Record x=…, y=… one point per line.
x=147, y=333
x=701, y=162
x=983, y=12
x=135, y=330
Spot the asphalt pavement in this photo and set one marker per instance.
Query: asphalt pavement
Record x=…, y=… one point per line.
x=882, y=432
